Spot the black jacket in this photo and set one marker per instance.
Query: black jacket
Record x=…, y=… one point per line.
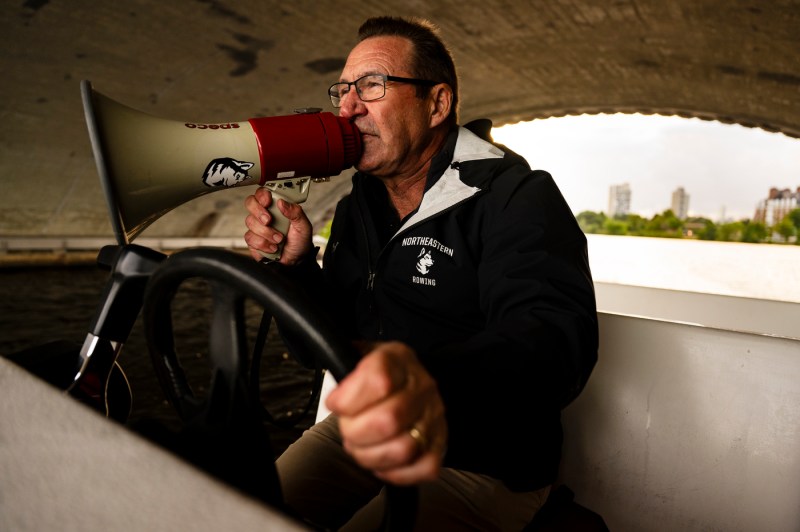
x=489, y=282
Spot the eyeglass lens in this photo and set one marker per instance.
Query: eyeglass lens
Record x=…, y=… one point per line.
x=368, y=88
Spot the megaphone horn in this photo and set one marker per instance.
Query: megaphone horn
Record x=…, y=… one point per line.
x=150, y=165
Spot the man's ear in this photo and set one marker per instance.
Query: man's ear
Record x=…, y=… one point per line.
x=441, y=100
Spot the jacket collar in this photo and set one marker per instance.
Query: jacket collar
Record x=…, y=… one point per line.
x=452, y=186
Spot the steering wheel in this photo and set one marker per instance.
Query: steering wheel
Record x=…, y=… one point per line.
x=234, y=278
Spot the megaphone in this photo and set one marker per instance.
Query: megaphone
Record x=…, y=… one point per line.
x=150, y=165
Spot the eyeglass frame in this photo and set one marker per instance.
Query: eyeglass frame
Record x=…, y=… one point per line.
x=385, y=77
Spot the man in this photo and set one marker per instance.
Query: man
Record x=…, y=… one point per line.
x=469, y=275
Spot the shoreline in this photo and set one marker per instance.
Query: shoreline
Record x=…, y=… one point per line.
x=51, y=259
x=33, y=252
x=45, y=259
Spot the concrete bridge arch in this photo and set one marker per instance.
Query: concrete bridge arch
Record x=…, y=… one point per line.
x=733, y=61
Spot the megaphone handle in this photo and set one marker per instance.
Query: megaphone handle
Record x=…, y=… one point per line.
x=279, y=223
x=293, y=190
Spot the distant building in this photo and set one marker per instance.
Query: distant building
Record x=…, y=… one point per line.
x=778, y=204
x=619, y=200
x=680, y=203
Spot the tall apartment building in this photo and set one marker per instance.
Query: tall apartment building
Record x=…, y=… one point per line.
x=619, y=200
x=778, y=204
x=680, y=203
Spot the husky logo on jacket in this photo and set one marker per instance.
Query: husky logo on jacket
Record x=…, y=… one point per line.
x=424, y=262
x=423, y=266
x=226, y=172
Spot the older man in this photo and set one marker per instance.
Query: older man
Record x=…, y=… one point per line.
x=468, y=275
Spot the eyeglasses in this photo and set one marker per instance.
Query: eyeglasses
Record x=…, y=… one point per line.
x=370, y=87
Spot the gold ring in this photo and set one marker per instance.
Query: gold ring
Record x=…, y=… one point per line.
x=418, y=437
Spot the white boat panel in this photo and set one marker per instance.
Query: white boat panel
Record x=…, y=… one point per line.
x=65, y=467
x=687, y=428
x=744, y=314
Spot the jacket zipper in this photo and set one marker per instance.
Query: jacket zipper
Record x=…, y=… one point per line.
x=371, y=273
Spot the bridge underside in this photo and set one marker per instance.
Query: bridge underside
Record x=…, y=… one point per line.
x=209, y=61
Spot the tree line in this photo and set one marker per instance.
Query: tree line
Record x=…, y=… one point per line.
x=667, y=225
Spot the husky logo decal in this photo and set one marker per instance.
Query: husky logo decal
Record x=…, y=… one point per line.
x=226, y=172
x=424, y=262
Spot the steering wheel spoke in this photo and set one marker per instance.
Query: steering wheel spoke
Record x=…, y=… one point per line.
x=228, y=353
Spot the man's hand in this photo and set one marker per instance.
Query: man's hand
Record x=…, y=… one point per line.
x=262, y=236
x=391, y=415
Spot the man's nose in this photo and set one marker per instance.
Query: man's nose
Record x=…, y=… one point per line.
x=351, y=105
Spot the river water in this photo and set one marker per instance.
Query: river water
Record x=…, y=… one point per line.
x=42, y=304
x=761, y=271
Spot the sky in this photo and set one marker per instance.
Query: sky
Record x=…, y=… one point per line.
x=725, y=169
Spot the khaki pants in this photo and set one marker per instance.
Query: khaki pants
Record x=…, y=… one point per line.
x=322, y=483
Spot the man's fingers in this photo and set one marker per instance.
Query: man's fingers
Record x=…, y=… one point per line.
x=359, y=390
x=424, y=469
